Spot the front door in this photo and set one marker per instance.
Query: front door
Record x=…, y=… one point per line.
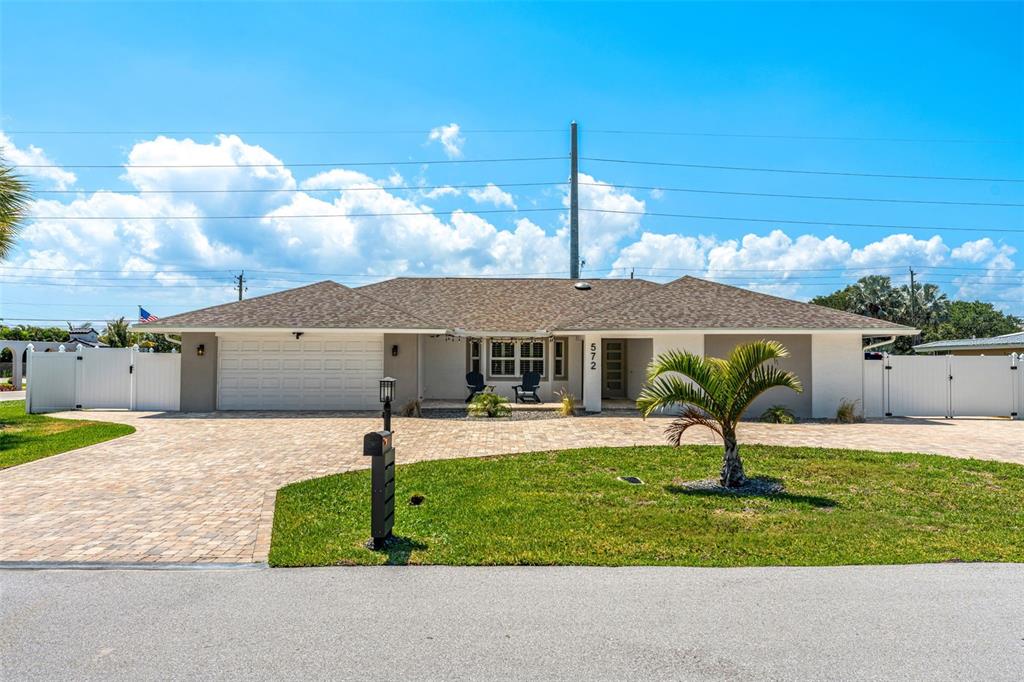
x=614, y=368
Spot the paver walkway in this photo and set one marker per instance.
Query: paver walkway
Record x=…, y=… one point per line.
x=200, y=488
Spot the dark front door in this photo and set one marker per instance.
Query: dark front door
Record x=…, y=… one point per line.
x=614, y=368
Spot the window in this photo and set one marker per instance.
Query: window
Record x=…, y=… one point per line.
x=559, y=360
x=474, y=356
x=503, y=359
x=531, y=357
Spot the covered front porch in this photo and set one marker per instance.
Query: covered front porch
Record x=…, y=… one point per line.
x=602, y=373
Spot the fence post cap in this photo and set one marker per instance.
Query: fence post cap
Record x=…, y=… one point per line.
x=60, y=349
x=79, y=348
x=30, y=348
x=135, y=347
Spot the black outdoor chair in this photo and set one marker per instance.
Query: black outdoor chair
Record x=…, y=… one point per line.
x=475, y=384
x=527, y=391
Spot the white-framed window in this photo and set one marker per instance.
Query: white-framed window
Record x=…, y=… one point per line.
x=503, y=359
x=474, y=356
x=531, y=357
x=559, y=359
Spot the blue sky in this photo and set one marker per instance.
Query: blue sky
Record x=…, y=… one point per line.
x=938, y=89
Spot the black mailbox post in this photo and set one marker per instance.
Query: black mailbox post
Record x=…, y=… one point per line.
x=380, y=446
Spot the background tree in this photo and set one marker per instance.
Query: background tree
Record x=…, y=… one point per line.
x=717, y=394
x=14, y=200
x=117, y=334
x=973, y=319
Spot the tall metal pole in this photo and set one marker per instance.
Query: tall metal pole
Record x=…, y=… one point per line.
x=913, y=301
x=574, y=204
x=241, y=284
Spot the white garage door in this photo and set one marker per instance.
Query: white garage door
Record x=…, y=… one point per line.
x=278, y=372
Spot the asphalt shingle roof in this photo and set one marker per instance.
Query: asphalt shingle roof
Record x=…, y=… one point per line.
x=691, y=303
x=1010, y=340
x=324, y=305
x=520, y=305
x=508, y=305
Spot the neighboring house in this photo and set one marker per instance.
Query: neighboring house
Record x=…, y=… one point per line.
x=325, y=346
x=996, y=345
x=85, y=335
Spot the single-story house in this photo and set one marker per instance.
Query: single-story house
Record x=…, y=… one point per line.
x=325, y=346
x=995, y=345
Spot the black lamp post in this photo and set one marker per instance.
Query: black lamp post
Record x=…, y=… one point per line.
x=387, y=394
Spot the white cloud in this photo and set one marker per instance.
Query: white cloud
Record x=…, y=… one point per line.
x=657, y=193
x=34, y=156
x=440, y=191
x=976, y=251
x=901, y=249
x=618, y=214
x=449, y=138
x=492, y=194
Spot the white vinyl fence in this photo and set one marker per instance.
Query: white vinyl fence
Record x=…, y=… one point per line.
x=944, y=386
x=97, y=378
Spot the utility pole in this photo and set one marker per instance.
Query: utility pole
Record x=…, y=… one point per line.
x=240, y=282
x=574, y=204
x=913, y=297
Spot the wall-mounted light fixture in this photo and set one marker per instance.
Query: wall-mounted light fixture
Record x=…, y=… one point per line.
x=297, y=335
x=201, y=350
x=394, y=351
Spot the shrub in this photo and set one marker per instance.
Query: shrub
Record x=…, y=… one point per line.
x=778, y=414
x=847, y=413
x=413, y=408
x=489, y=405
x=567, y=406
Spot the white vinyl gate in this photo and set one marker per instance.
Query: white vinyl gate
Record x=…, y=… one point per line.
x=944, y=386
x=103, y=378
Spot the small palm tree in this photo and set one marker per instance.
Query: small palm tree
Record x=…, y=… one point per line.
x=717, y=394
x=14, y=198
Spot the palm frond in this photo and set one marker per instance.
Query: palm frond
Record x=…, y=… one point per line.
x=667, y=390
x=690, y=417
x=704, y=372
x=761, y=379
x=14, y=201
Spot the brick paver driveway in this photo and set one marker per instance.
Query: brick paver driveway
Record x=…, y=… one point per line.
x=200, y=488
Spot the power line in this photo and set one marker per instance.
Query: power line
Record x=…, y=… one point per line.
x=798, y=171
x=298, y=189
x=800, y=196
x=823, y=138
x=407, y=131
x=309, y=215
x=824, y=223
x=294, y=165
x=492, y=131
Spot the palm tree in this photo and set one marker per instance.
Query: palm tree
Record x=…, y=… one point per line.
x=117, y=334
x=717, y=394
x=875, y=296
x=14, y=198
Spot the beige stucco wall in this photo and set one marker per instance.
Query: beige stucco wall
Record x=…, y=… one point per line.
x=402, y=367
x=837, y=362
x=798, y=362
x=444, y=369
x=198, y=374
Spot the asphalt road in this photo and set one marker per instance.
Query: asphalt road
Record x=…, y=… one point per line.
x=936, y=622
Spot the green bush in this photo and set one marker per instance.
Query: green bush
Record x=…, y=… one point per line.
x=778, y=414
x=489, y=405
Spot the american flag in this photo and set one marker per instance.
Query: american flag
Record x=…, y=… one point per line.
x=145, y=316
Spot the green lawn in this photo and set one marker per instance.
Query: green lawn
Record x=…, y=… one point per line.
x=25, y=437
x=566, y=507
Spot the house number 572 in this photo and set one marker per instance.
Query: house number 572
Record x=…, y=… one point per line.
x=593, y=356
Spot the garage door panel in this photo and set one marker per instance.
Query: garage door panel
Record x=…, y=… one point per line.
x=281, y=373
